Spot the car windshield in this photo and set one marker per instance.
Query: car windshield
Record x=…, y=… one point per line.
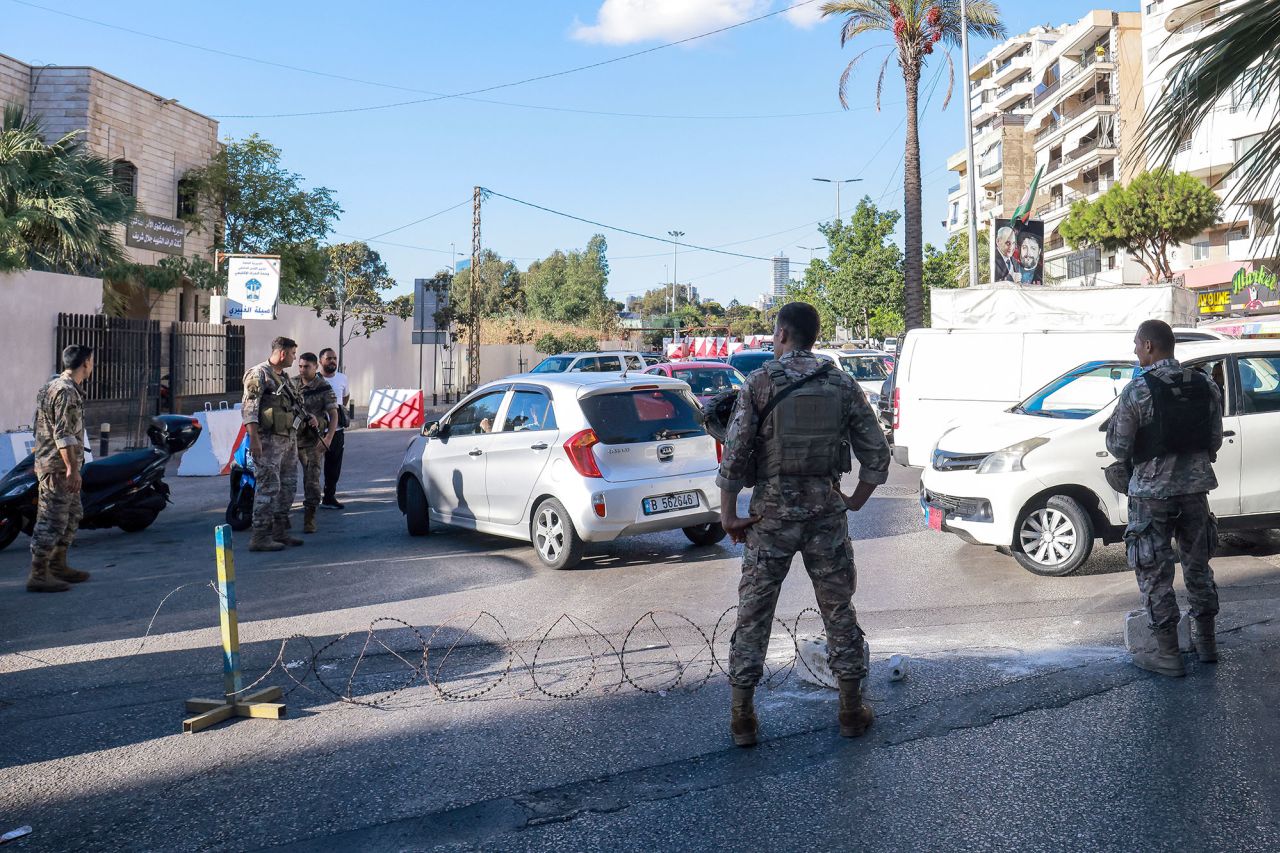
x=864, y=368
x=1081, y=392
x=554, y=364
x=706, y=383
x=747, y=362
x=635, y=417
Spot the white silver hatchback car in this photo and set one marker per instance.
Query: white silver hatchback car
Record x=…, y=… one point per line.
x=559, y=460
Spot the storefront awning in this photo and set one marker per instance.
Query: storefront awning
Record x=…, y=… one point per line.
x=1213, y=275
x=1246, y=327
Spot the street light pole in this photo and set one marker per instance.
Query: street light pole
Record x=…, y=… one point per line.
x=811, y=250
x=675, y=267
x=837, y=182
x=968, y=148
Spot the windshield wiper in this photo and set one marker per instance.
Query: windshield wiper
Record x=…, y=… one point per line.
x=664, y=434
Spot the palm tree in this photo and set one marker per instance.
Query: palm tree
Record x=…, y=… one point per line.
x=916, y=26
x=1237, y=52
x=59, y=205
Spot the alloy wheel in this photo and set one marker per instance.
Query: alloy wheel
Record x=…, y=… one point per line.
x=549, y=534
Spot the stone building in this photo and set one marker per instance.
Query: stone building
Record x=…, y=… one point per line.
x=153, y=142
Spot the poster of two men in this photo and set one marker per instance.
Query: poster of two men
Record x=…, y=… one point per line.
x=1019, y=251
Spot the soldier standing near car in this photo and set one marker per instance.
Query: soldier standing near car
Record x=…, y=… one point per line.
x=315, y=435
x=59, y=455
x=790, y=435
x=272, y=412
x=1168, y=427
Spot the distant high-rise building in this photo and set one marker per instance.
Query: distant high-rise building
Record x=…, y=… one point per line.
x=781, y=278
x=763, y=302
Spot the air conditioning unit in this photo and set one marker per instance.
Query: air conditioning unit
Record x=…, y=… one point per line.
x=991, y=195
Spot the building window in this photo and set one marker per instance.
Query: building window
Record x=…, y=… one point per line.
x=1245, y=145
x=188, y=199
x=125, y=176
x=1111, y=262
x=1200, y=250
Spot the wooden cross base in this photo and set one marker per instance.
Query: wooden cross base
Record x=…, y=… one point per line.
x=210, y=712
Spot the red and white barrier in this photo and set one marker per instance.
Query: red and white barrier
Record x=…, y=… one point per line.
x=396, y=408
x=210, y=456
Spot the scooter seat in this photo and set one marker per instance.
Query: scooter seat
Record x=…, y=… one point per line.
x=116, y=468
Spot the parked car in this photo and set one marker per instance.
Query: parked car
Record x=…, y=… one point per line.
x=652, y=358
x=590, y=362
x=866, y=367
x=746, y=360
x=559, y=460
x=1030, y=481
x=891, y=346
x=706, y=379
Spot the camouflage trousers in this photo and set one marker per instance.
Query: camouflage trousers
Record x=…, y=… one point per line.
x=828, y=558
x=312, y=459
x=1153, y=523
x=58, y=516
x=276, y=472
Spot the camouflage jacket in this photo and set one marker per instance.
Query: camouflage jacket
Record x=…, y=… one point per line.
x=317, y=399
x=262, y=379
x=59, y=423
x=1174, y=473
x=796, y=498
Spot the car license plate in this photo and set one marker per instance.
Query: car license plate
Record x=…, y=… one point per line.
x=933, y=517
x=670, y=503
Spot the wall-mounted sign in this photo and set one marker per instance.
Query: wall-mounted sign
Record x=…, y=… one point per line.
x=155, y=233
x=1214, y=302
x=1254, y=291
x=253, y=288
x=1018, y=251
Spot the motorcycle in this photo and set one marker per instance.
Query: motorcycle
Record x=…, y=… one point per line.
x=243, y=483
x=125, y=490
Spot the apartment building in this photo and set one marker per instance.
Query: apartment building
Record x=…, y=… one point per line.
x=1244, y=239
x=1001, y=90
x=152, y=141
x=1086, y=110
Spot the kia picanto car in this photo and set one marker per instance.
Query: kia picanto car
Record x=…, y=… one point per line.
x=559, y=460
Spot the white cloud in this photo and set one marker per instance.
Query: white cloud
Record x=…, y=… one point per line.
x=804, y=17
x=630, y=21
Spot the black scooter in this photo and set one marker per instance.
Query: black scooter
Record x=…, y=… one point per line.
x=125, y=490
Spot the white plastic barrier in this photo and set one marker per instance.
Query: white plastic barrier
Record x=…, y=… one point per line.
x=395, y=408
x=14, y=447
x=220, y=431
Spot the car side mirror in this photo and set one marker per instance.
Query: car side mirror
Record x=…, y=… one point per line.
x=433, y=429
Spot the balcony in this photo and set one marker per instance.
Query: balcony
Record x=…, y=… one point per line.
x=988, y=171
x=955, y=189
x=1090, y=147
x=1243, y=248
x=1043, y=92
x=1102, y=99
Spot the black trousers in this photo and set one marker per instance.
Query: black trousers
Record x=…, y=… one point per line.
x=333, y=464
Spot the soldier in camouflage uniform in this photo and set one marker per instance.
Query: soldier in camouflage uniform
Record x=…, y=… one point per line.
x=813, y=414
x=320, y=422
x=59, y=454
x=272, y=411
x=1168, y=492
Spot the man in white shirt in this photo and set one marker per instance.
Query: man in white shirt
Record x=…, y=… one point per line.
x=333, y=456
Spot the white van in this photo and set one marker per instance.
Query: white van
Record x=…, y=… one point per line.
x=1030, y=480
x=944, y=376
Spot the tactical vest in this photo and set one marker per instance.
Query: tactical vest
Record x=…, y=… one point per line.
x=804, y=435
x=1182, y=420
x=280, y=411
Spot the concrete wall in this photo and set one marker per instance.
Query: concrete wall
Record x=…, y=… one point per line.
x=15, y=81
x=29, y=307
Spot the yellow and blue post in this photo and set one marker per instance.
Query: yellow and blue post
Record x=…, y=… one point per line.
x=232, y=680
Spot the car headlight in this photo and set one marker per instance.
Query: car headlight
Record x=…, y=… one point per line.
x=1010, y=458
x=15, y=490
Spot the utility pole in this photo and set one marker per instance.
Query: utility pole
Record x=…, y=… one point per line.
x=838, y=182
x=811, y=250
x=968, y=148
x=675, y=267
x=473, y=336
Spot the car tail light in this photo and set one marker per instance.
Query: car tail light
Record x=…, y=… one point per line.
x=578, y=447
x=597, y=504
x=719, y=452
x=897, y=409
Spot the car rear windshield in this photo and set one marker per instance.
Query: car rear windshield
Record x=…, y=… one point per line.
x=635, y=417
x=706, y=382
x=747, y=363
x=554, y=364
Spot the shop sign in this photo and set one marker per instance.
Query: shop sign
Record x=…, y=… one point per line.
x=1254, y=290
x=1214, y=302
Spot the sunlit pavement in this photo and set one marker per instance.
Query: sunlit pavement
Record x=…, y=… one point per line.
x=1020, y=724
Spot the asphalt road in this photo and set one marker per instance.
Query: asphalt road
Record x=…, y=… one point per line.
x=1021, y=724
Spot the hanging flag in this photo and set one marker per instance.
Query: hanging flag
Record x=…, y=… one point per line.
x=1023, y=211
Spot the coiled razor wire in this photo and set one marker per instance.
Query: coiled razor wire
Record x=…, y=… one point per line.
x=471, y=655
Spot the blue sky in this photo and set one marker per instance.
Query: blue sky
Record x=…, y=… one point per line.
x=702, y=160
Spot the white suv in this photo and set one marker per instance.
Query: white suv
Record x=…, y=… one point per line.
x=1030, y=480
x=591, y=362
x=563, y=459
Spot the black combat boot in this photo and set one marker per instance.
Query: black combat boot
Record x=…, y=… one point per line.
x=742, y=717
x=1166, y=659
x=855, y=715
x=1205, y=639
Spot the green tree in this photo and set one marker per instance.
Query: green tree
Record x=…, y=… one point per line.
x=351, y=296
x=1147, y=217
x=59, y=206
x=253, y=205
x=916, y=26
x=499, y=289
x=570, y=288
x=949, y=267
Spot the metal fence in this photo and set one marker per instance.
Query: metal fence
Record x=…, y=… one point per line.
x=206, y=359
x=126, y=354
